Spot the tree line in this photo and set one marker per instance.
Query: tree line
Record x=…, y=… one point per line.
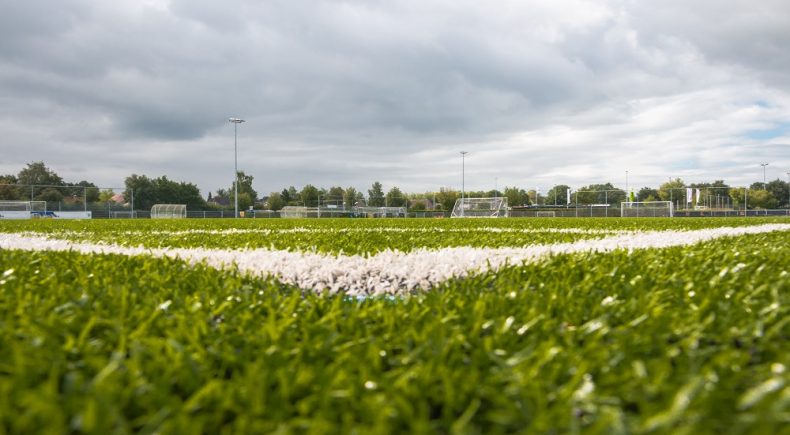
x=38, y=182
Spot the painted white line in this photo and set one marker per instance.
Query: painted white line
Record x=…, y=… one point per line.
x=306, y=230
x=387, y=272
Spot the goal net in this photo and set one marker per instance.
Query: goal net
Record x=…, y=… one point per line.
x=293, y=211
x=380, y=212
x=647, y=209
x=168, y=211
x=546, y=214
x=480, y=207
x=22, y=209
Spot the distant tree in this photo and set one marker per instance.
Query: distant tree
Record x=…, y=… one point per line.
x=672, y=190
x=647, y=194
x=148, y=192
x=376, y=195
x=418, y=205
x=395, y=198
x=558, y=195
x=309, y=196
x=39, y=174
x=445, y=198
x=350, y=196
x=493, y=194
x=49, y=194
x=600, y=194
x=245, y=186
x=779, y=189
x=285, y=195
x=245, y=201
x=8, y=190
x=276, y=201
x=88, y=190
x=761, y=199
x=516, y=197
x=106, y=195
x=335, y=195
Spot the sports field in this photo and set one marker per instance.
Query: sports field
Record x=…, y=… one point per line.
x=381, y=326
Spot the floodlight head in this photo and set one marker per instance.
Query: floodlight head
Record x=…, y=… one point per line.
x=236, y=120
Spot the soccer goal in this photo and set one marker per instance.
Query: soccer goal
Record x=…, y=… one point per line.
x=546, y=214
x=480, y=207
x=293, y=211
x=22, y=209
x=647, y=209
x=168, y=211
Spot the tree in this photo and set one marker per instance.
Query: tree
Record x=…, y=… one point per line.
x=39, y=174
x=376, y=195
x=779, y=189
x=558, y=195
x=395, y=198
x=285, y=195
x=445, y=198
x=276, y=201
x=335, y=195
x=647, y=194
x=8, y=191
x=672, y=190
x=148, y=192
x=309, y=196
x=88, y=190
x=516, y=197
x=106, y=195
x=350, y=196
x=600, y=194
x=762, y=199
x=245, y=186
x=50, y=194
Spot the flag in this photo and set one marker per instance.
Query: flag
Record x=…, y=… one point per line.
x=568, y=191
x=698, y=196
x=688, y=195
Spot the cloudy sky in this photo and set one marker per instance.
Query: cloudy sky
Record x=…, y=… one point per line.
x=348, y=92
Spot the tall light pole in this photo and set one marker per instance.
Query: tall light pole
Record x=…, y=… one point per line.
x=764, y=185
x=627, y=196
x=236, y=122
x=463, y=176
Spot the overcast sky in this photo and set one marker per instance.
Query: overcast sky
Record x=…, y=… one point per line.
x=348, y=92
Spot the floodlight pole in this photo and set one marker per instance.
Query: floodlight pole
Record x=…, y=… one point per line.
x=788, y=190
x=627, y=197
x=236, y=122
x=765, y=187
x=463, y=175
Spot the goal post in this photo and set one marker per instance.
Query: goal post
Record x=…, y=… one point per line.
x=493, y=207
x=647, y=209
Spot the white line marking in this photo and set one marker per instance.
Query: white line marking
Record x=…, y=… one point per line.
x=387, y=272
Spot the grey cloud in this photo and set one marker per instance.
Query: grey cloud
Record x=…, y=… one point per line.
x=347, y=84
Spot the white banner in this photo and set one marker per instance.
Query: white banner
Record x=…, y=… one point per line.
x=72, y=215
x=14, y=215
x=569, y=196
x=689, y=194
x=698, y=196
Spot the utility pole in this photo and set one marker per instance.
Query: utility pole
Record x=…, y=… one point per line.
x=463, y=170
x=764, y=184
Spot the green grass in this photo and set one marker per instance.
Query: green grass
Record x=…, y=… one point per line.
x=355, y=236
x=681, y=340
